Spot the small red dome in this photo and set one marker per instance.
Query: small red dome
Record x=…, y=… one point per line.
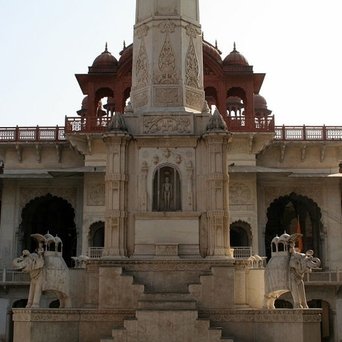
x=104, y=61
x=212, y=51
x=234, y=100
x=85, y=103
x=235, y=58
x=259, y=102
x=126, y=53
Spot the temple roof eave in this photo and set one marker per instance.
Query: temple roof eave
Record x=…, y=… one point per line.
x=258, y=81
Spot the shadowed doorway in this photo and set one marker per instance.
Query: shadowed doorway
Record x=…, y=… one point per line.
x=49, y=214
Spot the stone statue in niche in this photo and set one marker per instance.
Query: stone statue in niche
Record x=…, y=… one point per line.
x=48, y=270
x=166, y=190
x=285, y=271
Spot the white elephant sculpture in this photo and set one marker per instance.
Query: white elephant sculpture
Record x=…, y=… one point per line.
x=285, y=271
x=48, y=271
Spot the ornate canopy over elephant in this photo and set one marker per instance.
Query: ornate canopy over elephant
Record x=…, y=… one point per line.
x=285, y=271
x=47, y=268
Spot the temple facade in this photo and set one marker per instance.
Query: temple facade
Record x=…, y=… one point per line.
x=166, y=189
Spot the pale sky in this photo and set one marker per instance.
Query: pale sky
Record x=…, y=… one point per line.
x=295, y=42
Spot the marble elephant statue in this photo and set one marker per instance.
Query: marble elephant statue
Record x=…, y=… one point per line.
x=285, y=271
x=48, y=272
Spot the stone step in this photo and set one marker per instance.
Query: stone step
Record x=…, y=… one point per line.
x=169, y=296
x=186, y=304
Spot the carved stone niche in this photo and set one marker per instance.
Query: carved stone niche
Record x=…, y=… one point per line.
x=166, y=190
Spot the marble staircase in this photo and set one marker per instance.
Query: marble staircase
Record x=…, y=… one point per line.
x=167, y=313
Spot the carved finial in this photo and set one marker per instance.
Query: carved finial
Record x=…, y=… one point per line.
x=106, y=47
x=234, y=49
x=216, y=44
x=124, y=45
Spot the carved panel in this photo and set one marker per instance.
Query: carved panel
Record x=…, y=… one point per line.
x=239, y=193
x=167, y=124
x=194, y=99
x=167, y=250
x=140, y=99
x=192, y=67
x=167, y=64
x=142, y=31
x=96, y=194
x=166, y=97
x=141, y=66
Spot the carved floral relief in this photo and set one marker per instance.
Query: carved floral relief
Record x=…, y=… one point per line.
x=96, y=194
x=192, y=67
x=141, y=67
x=240, y=193
x=164, y=124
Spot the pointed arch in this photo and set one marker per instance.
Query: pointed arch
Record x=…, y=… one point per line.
x=49, y=214
x=295, y=213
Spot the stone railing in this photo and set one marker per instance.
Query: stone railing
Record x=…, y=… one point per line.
x=235, y=124
x=9, y=277
x=324, y=278
x=84, y=125
x=312, y=133
x=242, y=252
x=95, y=252
x=239, y=123
x=32, y=134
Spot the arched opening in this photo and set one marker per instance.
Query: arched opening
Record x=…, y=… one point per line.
x=241, y=239
x=236, y=105
x=294, y=214
x=166, y=189
x=240, y=234
x=325, y=318
x=96, y=234
x=50, y=214
x=54, y=304
x=105, y=106
x=96, y=237
x=126, y=97
x=211, y=96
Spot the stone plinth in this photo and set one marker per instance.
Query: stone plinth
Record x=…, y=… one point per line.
x=281, y=325
x=41, y=325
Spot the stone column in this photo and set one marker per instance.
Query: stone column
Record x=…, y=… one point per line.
x=167, y=74
x=218, y=195
x=116, y=195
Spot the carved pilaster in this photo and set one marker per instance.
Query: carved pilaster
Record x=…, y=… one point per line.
x=143, y=186
x=116, y=195
x=218, y=196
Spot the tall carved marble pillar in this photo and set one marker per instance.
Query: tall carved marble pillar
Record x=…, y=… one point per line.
x=167, y=75
x=116, y=195
x=217, y=139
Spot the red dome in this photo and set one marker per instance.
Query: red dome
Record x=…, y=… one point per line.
x=104, y=61
x=85, y=102
x=126, y=53
x=235, y=58
x=259, y=102
x=212, y=51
